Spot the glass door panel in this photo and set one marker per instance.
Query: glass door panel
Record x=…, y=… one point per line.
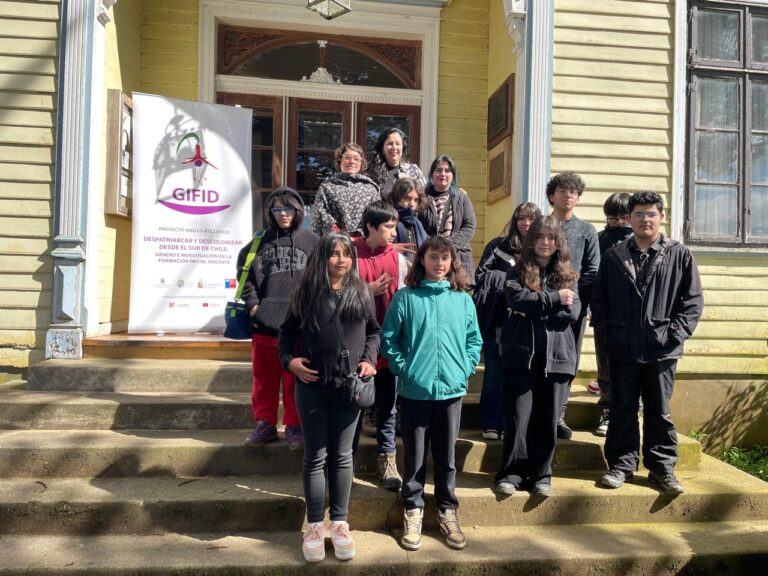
x=373, y=119
x=316, y=129
x=266, y=146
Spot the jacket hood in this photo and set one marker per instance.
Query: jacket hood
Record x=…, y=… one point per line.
x=365, y=251
x=278, y=192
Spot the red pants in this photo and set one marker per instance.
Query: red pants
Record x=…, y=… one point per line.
x=267, y=375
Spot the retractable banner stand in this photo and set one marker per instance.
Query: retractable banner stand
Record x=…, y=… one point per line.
x=191, y=212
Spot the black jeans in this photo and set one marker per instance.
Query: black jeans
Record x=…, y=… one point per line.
x=422, y=421
x=328, y=423
x=654, y=383
x=603, y=373
x=532, y=402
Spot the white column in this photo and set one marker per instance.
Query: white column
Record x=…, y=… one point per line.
x=539, y=43
x=514, y=13
x=64, y=337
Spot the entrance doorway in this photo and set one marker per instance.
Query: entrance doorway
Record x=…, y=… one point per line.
x=294, y=139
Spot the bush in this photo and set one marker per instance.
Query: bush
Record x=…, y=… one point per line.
x=754, y=461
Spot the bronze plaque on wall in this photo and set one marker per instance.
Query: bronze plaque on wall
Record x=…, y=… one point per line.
x=500, y=111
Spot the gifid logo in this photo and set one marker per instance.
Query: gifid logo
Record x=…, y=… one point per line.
x=196, y=200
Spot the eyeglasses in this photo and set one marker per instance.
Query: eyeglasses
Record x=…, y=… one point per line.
x=352, y=158
x=567, y=191
x=283, y=209
x=617, y=219
x=643, y=215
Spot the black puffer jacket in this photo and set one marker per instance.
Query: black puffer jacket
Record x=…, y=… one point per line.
x=651, y=325
x=531, y=311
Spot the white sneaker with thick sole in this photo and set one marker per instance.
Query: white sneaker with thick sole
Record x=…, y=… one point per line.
x=314, y=542
x=343, y=545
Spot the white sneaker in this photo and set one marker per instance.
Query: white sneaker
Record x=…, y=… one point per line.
x=593, y=388
x=491, y=435
x=343, y=545
x=314, y=542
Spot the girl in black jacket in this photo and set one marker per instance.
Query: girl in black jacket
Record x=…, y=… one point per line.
x=310, y=348
x=539, y=354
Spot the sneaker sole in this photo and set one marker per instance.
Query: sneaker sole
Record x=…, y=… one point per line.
x=340, y=555
x=314, y=556
x=601, y=433
x=411, y=547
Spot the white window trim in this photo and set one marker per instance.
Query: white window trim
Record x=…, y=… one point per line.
x=373, y=18
x=680, y=107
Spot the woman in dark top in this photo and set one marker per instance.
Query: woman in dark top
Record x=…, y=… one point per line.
x=389, y=162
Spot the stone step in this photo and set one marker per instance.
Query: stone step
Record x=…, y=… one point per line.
x=727, y=548
x=153, y=505
x=50, y=410
x=152, y=375
x=105, y=453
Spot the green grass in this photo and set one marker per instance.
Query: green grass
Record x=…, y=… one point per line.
x=753, y=461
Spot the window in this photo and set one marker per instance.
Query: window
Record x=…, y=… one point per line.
x=727, y=187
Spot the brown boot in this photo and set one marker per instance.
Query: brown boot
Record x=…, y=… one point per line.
x=386, y=471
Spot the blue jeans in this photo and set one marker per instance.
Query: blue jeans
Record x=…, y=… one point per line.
x=492, y=395
x=328, y=423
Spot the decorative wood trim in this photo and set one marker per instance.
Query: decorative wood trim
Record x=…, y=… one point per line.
x=244, y=85
x=238, y=44
x=372, y=19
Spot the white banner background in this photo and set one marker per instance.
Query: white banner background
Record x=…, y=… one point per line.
x=191, y=211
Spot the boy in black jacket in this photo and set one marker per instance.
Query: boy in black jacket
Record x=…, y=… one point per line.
x=646, y=302
x=617, y=229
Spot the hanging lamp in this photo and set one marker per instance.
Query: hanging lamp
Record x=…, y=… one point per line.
x=329, y=9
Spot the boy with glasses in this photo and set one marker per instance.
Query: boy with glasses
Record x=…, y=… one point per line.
x=647, y=301
x=563, y=192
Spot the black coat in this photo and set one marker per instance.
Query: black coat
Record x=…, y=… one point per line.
x=321, y=346
x=651, y=325
x=488, y=295
x=535, y=310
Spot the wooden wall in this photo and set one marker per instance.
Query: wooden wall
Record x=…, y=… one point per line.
x=29, y=33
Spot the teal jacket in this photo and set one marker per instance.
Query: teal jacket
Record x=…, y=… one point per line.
x=432, y=341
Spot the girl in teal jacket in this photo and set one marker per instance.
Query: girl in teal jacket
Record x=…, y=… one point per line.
x=432, y=341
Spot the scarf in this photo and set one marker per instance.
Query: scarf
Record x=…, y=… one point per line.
x=408, y=218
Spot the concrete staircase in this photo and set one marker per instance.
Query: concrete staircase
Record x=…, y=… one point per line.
x=137, y=466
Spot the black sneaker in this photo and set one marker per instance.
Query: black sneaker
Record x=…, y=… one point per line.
x=563, y=431
x=615, y=478
x=667, y=481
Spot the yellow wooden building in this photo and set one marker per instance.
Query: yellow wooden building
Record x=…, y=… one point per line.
x=632, y=94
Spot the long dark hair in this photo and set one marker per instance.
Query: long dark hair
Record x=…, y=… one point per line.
x=355, y=299
x=452, y=165
x=559, y=273
x=378, y=149
x=456, y=274
x=402, y=188
x=513, y=242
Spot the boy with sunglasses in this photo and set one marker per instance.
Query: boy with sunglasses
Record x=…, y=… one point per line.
x=275, y=271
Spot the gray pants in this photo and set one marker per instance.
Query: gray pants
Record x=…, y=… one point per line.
x=328, y=424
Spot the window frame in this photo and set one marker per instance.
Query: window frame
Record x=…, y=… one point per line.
x=745, y=74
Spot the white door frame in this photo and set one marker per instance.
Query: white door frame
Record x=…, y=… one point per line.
x=373, y=19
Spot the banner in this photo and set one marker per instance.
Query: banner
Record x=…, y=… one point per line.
x=191, y=212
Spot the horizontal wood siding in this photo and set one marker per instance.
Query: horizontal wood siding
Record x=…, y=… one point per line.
x=169, y=40
x=462, y=99
x=612, y=122
x=29, y=34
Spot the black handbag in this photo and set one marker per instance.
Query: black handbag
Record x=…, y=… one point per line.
x=359, y=392
x=236, y=314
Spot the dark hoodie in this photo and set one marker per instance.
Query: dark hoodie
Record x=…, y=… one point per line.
x=277, y=267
